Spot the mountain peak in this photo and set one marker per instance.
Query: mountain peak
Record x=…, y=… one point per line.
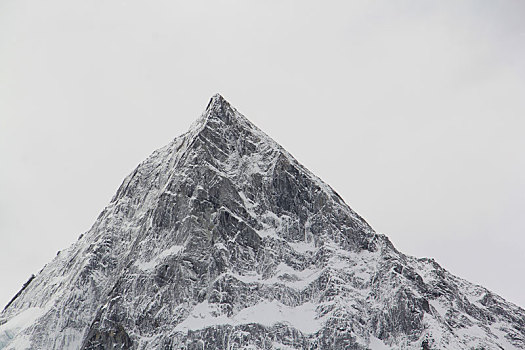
x=218, y=115
x=221, y=121
x=222, y=240
x=219, y=108
x=217, y=99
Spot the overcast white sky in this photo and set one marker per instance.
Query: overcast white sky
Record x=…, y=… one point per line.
x=414, y=111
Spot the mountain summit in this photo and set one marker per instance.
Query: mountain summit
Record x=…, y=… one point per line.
x=222, y=240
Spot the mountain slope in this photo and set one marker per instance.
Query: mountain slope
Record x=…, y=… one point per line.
x=221, y=239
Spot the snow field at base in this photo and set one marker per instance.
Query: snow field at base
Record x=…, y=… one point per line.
x=279, y=346
x=377, y=344
x=266, y=313
x=16, y=325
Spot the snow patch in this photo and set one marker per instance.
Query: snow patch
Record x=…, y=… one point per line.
x=150, y=265
x=442, y=310
x=377, y=344
x=284, y=274
x=220, y=246
x=303, y=247
x=302, y=317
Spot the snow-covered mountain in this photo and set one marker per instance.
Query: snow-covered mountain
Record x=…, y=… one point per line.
x=222, y=240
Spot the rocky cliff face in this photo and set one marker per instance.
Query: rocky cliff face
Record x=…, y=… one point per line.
x=222, y=240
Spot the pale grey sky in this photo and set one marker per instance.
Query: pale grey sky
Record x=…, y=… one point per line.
x=414, y=111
